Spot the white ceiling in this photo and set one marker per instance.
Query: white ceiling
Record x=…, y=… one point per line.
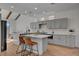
x=42, y=7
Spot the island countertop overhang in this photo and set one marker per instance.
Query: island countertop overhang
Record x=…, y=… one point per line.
x=37, y=36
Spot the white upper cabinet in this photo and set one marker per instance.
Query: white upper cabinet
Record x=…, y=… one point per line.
x=51, y=24
x=64, y=23
x=33, y=25
x=58, y=23
x=38, y=25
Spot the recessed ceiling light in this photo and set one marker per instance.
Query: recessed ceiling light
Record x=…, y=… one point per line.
x=51, y=17
x=35, y=20
x=34, y=15
x=30, y=12
x=44, y=12
x=12, y=7
x=36, y=8
x=25, y=11
x=42, y=19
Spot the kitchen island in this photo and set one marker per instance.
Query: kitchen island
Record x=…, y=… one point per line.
x=42, y=41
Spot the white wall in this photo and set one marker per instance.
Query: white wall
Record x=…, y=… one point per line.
x=23, y=23
x=4, y=13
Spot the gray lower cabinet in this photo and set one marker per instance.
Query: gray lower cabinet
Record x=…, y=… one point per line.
x=57, y=39
x=70, y=41
x=64, y=40
x=60, y=40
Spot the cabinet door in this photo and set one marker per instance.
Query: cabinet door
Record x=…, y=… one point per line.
x=63, y=23
x=57, y=23
x=33, y=25
x=60, y=40
x=64, y=40
x=70, y=41
x=54, y=40
x=50, y=24
x=51, y=41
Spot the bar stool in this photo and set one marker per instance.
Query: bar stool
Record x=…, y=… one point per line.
x=31, y=43
x=21, y=44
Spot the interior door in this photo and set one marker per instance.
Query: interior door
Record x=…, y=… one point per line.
x=3, y=36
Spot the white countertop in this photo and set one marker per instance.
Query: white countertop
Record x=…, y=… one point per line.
x=63, y=34
x=37, y=36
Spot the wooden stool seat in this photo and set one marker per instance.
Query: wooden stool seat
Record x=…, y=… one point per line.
x=31, y=43
x=21, y=42
x=34, y=43
x=26, y=41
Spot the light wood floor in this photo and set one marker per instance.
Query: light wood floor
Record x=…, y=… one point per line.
x=53, y=50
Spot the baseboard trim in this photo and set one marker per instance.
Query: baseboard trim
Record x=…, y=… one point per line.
x=61, y=45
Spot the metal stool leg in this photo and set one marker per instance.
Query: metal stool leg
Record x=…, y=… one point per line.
x=37, y=50
x=26, y=49
x=17, y=49
x=23, y=50
x=30, y=50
